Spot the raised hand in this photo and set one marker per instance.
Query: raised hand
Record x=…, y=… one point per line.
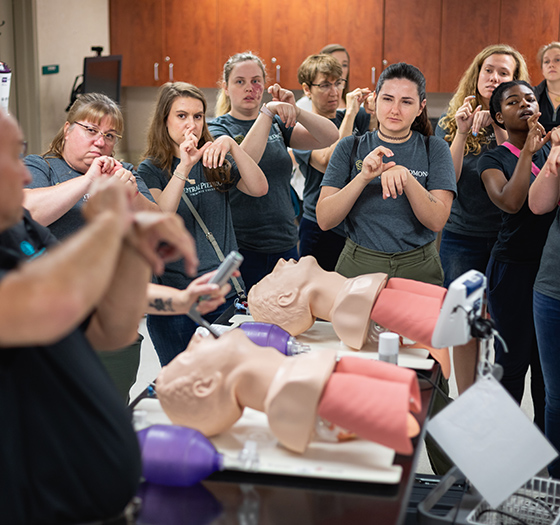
x=373, y=165
x=287, y=112
x=537, y=136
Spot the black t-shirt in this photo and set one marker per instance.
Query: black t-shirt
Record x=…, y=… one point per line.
x=68, y=451
x=523, y=234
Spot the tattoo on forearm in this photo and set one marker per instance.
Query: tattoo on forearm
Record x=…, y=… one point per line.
x=162, y=305
x=431, y=198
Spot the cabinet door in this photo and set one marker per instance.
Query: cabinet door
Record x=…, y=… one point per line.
x=467, y=28
x=529, y=25
x=189, y=37
x=412, y=34
x=292, y=32
x=136, y=34
x=240, y=28
x=358, y=26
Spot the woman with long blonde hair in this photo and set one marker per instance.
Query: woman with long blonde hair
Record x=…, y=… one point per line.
x=474, y=222
x=265, y=228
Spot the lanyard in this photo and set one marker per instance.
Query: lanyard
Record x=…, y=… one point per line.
x=515, y=150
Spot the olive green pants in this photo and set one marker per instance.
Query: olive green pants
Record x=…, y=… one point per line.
x=122, y=366
x=421, y=264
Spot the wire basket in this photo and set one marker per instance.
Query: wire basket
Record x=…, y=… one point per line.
x=536, y=503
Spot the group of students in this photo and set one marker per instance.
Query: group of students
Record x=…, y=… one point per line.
x=378, y=188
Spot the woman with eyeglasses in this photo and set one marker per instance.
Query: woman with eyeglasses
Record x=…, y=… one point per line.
x=321, y=77
x=81, y=152
x=265, y=228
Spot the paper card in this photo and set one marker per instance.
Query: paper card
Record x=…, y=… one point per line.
x=491, y=440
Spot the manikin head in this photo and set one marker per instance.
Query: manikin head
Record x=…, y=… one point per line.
x=207, y=386
x=285, y=294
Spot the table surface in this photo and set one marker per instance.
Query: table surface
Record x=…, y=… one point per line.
x=248, y=498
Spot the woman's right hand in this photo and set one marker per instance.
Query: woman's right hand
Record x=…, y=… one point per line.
x=286, y=111
x=103, y=165
x=373, y=165
x=537, y=136
x=189, y=152
x=464, y=116
x=354, y=99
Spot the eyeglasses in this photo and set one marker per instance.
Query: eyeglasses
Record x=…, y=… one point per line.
x=326, y=86
x=94, y=133
x=23, y=151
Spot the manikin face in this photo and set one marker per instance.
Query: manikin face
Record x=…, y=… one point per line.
x=551, y=64
x=186, y=116
x=197, y=388
x=495, y=70
x=517, y=106
x=283, y=296
x=397, y=105
x=245, y=87
x=13, y=173
x=81, y=148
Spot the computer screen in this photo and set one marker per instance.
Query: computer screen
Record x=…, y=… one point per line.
x=103, y=75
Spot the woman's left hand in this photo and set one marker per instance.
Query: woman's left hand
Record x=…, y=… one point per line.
x=393, y=181
x=537, y=136
x=125, y=176
x=215, y=154
x=279, y=94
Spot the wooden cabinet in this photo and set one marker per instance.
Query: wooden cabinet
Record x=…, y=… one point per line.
x=466, y=29
x=358, y=26
x=187, y=40
x=136, y=30
x=412, y=34
x=163, y=40
x=529, y=25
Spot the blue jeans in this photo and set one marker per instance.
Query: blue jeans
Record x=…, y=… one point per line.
x=510, y=304
x=461, y=253
x=171, y=334
x=547, y=324
x=256, y=265
x=325, y=246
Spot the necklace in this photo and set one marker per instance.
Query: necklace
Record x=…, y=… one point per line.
x=557, y=95
x=394, y=138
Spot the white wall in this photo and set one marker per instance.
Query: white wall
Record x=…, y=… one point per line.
x=66, y=31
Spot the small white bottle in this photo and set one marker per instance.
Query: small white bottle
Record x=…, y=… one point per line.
x=388, y=348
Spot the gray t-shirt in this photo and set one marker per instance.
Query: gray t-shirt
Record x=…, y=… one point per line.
x=313, y=177
x=390, y=226
x=473, y=213
x=548, y=278
x=214, y=209
x=51, y=171
x=263, y=224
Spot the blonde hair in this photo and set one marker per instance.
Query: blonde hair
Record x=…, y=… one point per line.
x=161, y=148
x=92, y=107
x=468, y=86
x=544, y=49
x=223, y=102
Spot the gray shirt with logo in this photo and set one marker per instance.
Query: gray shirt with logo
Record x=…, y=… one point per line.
x=390, y=225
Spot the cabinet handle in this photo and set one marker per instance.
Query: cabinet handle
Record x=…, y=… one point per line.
x=373, y=76
x=171, y=72
x=156, y=71
x=278, y=74
x=385, y=63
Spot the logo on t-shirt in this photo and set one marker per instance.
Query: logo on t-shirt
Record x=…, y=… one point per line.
x=239, y=139
x=359, y=164
x=418, y=174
